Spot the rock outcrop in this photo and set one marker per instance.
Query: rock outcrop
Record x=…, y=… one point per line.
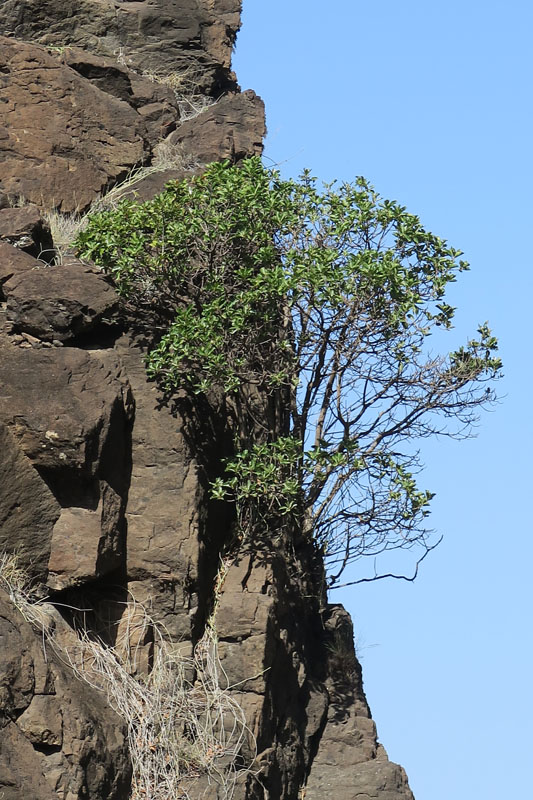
x=104, y=495
x=106, y=120
x=58, y=736
x=192, y=39
x=27, y=230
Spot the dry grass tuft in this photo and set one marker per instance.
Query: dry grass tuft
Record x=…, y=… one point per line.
x=17, y=201
x=66, y=227
x=183, y=722
x=185, y=84
x=16, y=583
x=169, y=156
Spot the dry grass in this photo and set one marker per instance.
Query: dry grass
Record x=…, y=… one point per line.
x=122, y=58
x=17, y=201
x=185, y=85
x=15, y=582
x=66, y=227
x=169, y=156
x=183, y=722
x=190, y=106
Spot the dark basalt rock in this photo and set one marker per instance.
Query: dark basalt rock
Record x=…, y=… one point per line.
x=65, y=461
x=58, y=736
x=28, y=509
x=66, y=158
x=13, y=261
x=60, y=303
x=25, y=229
x=233, y=128
x=190, y=37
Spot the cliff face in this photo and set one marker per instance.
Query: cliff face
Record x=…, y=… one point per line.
x=104, y=484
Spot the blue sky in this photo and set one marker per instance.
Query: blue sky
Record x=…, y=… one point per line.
x=432, y=103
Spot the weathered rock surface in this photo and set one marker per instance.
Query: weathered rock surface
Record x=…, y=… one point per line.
x=59, y=303
x=28, y=509
x=25, y=228
x=66, y=158
x=58, y=737
x=193, y=38
x=86, y=543
x=65, y=407
x=104, y=483
x=65, y=416
x=271, y=650
x=349, y=755
x=13, y=261
x=156, y=102
x=232, y=128
x=165, y=502
x=107, y=120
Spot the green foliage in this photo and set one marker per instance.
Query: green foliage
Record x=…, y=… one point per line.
x=322, y=297
x=202, y=252
x=265, y=478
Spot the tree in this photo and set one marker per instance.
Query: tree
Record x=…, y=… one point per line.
x=324, y=300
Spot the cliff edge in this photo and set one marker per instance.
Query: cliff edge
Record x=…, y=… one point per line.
x=106, y=523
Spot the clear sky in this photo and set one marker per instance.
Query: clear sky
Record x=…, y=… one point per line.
x=432, y=102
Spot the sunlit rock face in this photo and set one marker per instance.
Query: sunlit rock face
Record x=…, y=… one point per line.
x=189, y=38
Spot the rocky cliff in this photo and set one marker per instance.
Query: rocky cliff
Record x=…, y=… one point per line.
x=104, y=501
